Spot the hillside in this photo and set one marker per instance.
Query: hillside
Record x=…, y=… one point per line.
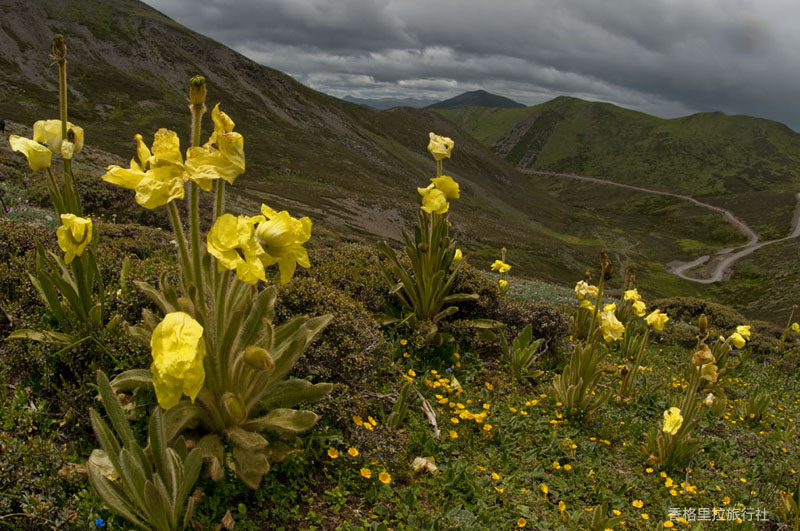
x=476, y=98
x=389, y=103
x=352, y=169
x=739, y=161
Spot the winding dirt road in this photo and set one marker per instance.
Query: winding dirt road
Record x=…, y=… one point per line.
x=724, y=258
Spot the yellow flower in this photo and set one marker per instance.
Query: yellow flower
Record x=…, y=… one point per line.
x=489, y=386
x=433, y=200
x=503, y=283
x=39, y=157
x=744, y=331
x=522, y=522
x=668, y=524
x=366, y=472
x=458, y=256
x=385, y=478
x=639, y=308
x=645, y=516
x=587, y=305
x=49, y=132
x=222, y=157
x=583, y=290
x=158, y=176
x=453, y=434
x=672, y=420
x=657, y=320
x=610, y=326
x=357, y=420
x=448, y=186
x=649, y=470
x=282, y=238
x=333, y=453
x=638, y=504
x=502, y=267
x=610, y=307
x=737, y=339
x=352, y=452
x=544, y=488
x=567, y=467
x=495, y=476
x=796, y=327
x=632, y=295
x=562, y=507
x=709, y=372
x=178, y=350
x=232, y=241
x=440, y=146
x=74, y=235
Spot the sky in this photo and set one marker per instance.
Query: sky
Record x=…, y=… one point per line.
x=664, y=57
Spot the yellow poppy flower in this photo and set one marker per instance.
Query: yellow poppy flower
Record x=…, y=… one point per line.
x=737, y=340
x=158, y=176
x=448, y=186
x=632, y=295
x=39, y=157
x=282, y=238
x=222, y=157
x=440, y=146
x=639, y=308
x=232, y=241
x=587, y=305
x=744, y=331
x=503, y=283
x=500, y=266
x=709, y=372
x=74, y=235
x=48, y=132
x=611, y=327
x=458, y=256
x=610, y=307
x=672, y=420
x=178, y=349
x=796, y=327
x=657, y=320
x=433, y=200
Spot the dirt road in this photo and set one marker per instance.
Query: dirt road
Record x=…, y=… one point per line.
x=725, y=258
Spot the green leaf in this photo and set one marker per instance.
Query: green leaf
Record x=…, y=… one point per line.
x=244, y=439
x=291, y=392
x=42, y=336
x=179, y=417
x=250, y=466
x=284, y=420
x=115, y=499
x=131, y=380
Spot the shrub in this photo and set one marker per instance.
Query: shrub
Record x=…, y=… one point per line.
x=547, y=321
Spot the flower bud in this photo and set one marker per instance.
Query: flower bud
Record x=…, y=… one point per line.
x=234, y=407
x=709, y=401
x=258, y=358
x=702, y=326
x=197, y=90
x=58, y=50
x=423, y=247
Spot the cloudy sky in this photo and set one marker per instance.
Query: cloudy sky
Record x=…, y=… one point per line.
x=664, y=57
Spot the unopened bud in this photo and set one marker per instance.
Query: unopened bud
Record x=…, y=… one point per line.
x=587, y=276
x=702, y=325
x=258, y=358
x=709, y=401
x=58, y=50
x=197, y=90
x=423, y=247
x=603, y=259
x=234, y=407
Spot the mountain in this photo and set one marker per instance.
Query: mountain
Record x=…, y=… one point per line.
x=390, y=103
x=353, y=170
x=476, y=98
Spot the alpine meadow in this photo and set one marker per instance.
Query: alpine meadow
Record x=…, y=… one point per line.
x=231, y=301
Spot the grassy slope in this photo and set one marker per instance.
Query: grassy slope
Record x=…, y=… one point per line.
x=748, y=165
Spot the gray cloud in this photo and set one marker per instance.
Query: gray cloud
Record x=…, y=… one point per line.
x=666, y=57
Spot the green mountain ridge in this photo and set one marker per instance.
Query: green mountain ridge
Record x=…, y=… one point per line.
x=476, y=98
x=352, y=169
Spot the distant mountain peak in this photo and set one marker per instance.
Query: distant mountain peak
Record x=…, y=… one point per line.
x=476, y=98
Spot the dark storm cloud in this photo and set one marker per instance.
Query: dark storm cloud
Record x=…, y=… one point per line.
x=667, y=57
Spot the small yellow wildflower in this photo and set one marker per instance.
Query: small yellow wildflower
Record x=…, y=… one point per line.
x=544, y=488
x=645, y=516
x=453, y=434
x=638, y=504
x=404, y=342
x=357, y=420
x=385, y=478
x=522, y=522
x=495, y=476
x=489, y=386
x=648, y=470
x=366, y=472
x=333, y=453
x=352, y=452
x=668, y=524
